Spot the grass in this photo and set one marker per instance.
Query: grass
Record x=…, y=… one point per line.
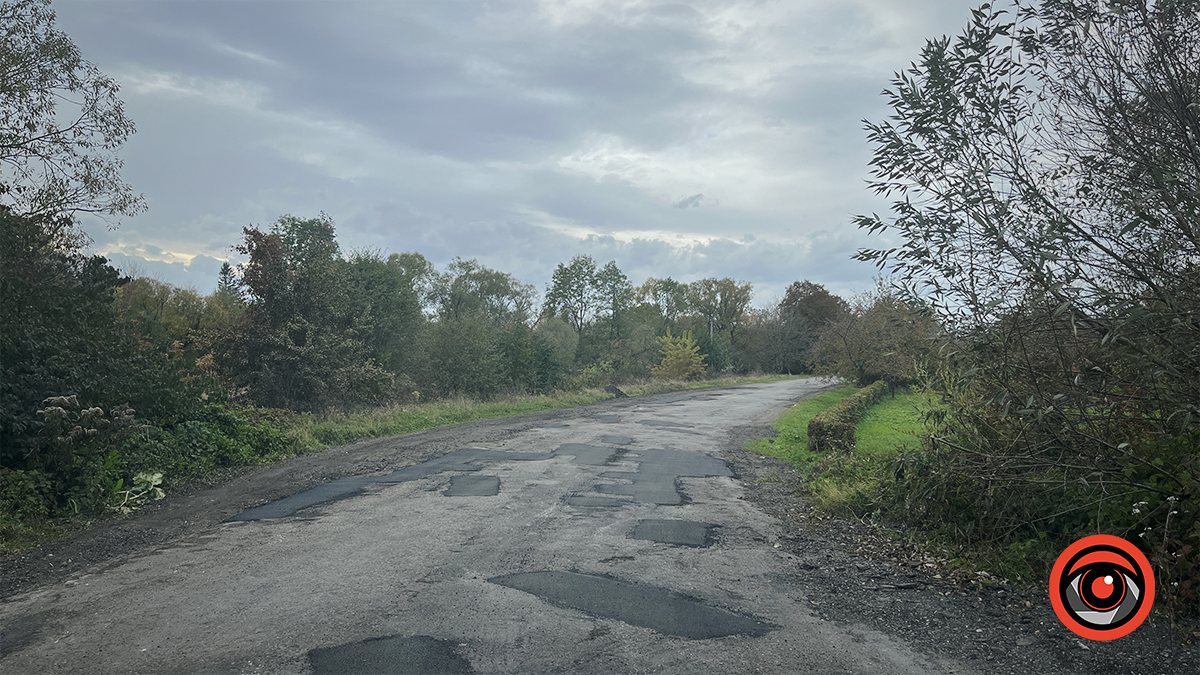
x=791, y=444
x=846, y=483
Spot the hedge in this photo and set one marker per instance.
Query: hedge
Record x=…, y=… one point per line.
x=833, y=428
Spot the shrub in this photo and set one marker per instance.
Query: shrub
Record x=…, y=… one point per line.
x=681, y=358
x=833, y=428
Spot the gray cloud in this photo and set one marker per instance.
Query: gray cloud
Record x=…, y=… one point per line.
x=518, y=133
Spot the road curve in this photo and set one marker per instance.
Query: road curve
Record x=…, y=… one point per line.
x=607, y=541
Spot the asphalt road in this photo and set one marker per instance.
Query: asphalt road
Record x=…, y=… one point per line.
x=610, y=540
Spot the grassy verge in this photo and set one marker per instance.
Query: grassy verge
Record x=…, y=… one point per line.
x=846, y=483
x=849, y=483
x=791, y=444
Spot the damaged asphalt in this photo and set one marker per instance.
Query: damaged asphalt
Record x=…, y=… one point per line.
x=628, y=536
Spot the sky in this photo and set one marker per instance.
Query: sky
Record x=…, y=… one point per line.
x=690, y=140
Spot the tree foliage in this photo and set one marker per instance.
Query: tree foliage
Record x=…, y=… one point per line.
x=681, y=358
x=61, y=122
x=1045, y=170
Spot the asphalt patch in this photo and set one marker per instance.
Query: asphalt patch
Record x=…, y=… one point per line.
x=658, y=473
x=669, y=426
x=591, y=455
x=469, y=459
x=617, y=440
x=653, y=607
x=324, y=493
x=674, y=532
x=396, y=654
x=590, y=501
x=473, y=486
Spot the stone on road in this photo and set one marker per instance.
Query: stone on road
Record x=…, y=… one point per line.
x=607, y=539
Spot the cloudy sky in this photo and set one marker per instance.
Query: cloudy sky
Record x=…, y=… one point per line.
x=707, y=138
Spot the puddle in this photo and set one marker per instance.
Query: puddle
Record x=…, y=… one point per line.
x=607, y=418
x=675, y=532
x=473, y=486
x=415, y=655
x=652, y=607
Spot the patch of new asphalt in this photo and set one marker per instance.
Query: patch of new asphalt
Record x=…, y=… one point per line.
x=674, y=532
x=392, y=655
x=473, y=486
x=652, y=607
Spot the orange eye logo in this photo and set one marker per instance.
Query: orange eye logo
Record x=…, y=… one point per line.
x=1102, y=587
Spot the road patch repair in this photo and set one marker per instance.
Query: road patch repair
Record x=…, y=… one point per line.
x=653, y=607
x=401, y=655
x=674, y=532
x=469, y=459
x=473, y=486
x=656, y=480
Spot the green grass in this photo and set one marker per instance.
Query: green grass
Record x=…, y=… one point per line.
x=846, y=483
x=791, y=444
x=890, y=426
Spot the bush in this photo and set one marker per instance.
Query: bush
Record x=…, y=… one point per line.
x=833, y=428
x=681, y=358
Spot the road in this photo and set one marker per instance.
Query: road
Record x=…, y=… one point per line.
x=594, y=540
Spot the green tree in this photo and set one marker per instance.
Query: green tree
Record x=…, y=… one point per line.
x=383, y=293
x=614, y=294
x=806, y=308
x=469, y=289
x=681, y=358
x=1045, y=175
x=722, y=302
x=670, y=298
x=572, y=292
x=300, y=343
x=61, y=123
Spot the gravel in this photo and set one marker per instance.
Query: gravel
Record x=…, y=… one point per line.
x=854, y=574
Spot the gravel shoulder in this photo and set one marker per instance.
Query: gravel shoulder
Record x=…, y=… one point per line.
x=853, y=574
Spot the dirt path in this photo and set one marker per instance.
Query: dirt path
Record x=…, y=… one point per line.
x=627, y=536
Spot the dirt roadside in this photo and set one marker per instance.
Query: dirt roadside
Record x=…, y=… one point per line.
x=854, y=575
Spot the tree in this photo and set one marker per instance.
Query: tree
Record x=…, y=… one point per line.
x=614, y=294
x=669, y=297
x=806, y=308
x=681, y=358
x=469, y=289
x=301, y=343
x=881, y=336
x=383, y=291
x=572, y=292
x=723, y=302
x=61, y=122
x=1045, y=174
